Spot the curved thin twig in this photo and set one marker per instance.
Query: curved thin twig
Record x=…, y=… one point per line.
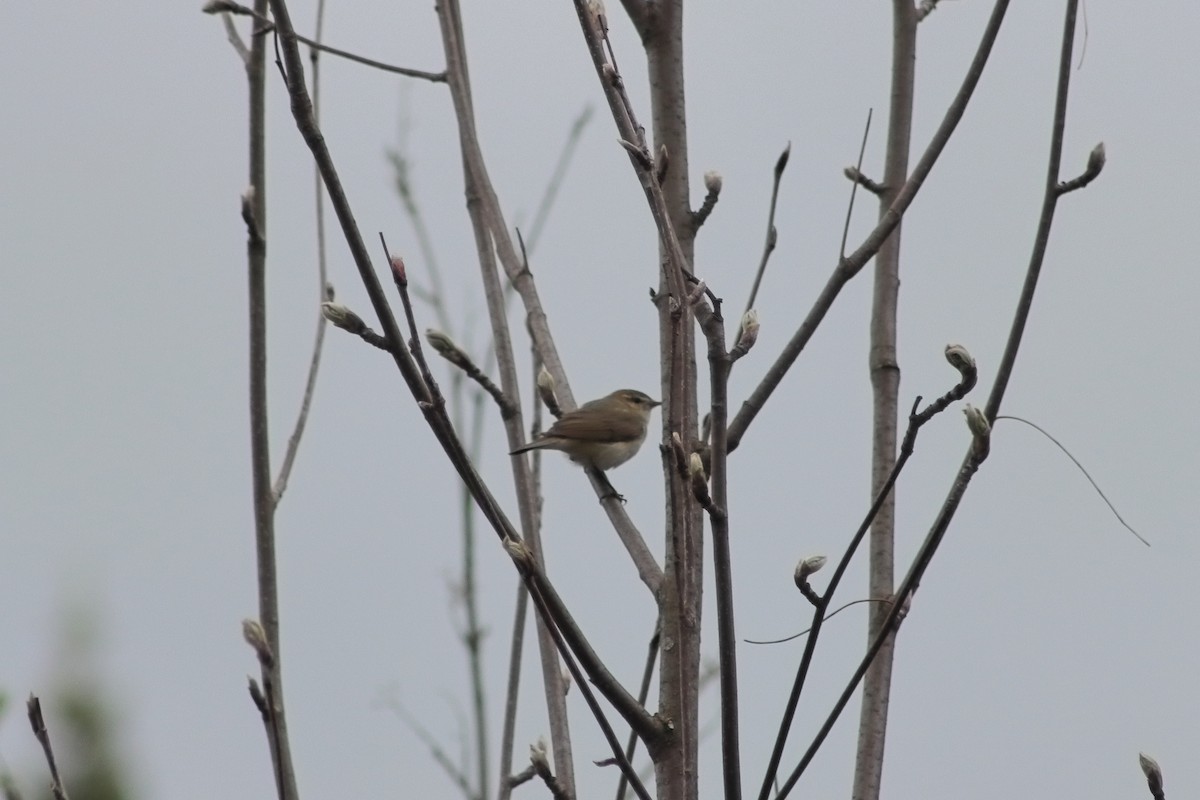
x=1086, y=474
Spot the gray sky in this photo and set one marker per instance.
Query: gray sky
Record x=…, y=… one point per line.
x=1046, y=646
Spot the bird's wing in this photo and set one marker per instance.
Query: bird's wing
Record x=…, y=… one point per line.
x=588, y=423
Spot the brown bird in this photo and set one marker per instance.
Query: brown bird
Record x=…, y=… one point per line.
x=602, y=434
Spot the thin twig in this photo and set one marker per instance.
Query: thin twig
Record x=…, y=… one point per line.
x=858, y=180
x=38, y=723
x=826, y=618
x=967, y=378
x=643, y=695
x=979, y=449
x=484, y=229
x=772, y=236
x=1045, y=220
x=449, y=350
x=719, y=362
x=229, y=7
x=325, y=290
x=435, y=413
x=850, y=266
x=235, y=38
x=550, y=193
x=581, y=682
x=1086, y=474
x=439, y=755
x=515, y=652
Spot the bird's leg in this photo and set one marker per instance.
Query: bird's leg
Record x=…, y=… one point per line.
x=609, y=491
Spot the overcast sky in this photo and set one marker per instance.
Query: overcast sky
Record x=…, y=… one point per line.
x=1046, y=646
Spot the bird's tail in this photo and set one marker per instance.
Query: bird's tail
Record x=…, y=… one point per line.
x=536, y=444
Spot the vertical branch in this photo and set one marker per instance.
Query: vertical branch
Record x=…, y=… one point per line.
x=518, y=632
x=885, y=385
x=681, y=599
x=1045, y=220
x=663, y=177
x=254, y=211
x=720, y=362
x=474, y=633
x=849, y=266
x=482, y=224
x=324, y=289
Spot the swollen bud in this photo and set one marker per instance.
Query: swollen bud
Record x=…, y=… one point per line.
x=695, y=465
x=749, y=331
x=519, y=553
x=537, y=754
x=1153, y=773
x=959, y=358
x=1096, y=158
x=964, y=362
x=256, y=637
x=713, y=181
x=977, y=421
x=446, y=348
x=807, y=567
x=342, y=317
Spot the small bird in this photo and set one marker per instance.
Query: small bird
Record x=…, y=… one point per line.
x=603, y=434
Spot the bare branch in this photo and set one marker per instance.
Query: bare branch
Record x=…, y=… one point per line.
x=324, y=288
x=916, y=420
x=436, y=751
x=38, y=723
x=447, y=349
x=772, y=234
x=1081, y=468
x=574, y=136
x=235, y=38
x=851, y=265
x=720, y=363
x=978, y=420
x=228, y=7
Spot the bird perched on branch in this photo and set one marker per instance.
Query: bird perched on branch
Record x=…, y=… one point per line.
x=602, y=434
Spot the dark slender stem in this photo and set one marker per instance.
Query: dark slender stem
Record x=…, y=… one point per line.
x=38, y=723
x=1045, y=219
x=819, y=617
x=434, y=412
x=853, y=263
x=915, y=421
x=979, y=450
x=862, y=151
x=484, y=226
x=324, y=290
x=713, y=325
x=898, y=608
x=557, y=176
x=643, y=695
x=772, y=235
x=267, y=26
x=510, y=696
x=627, y=770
